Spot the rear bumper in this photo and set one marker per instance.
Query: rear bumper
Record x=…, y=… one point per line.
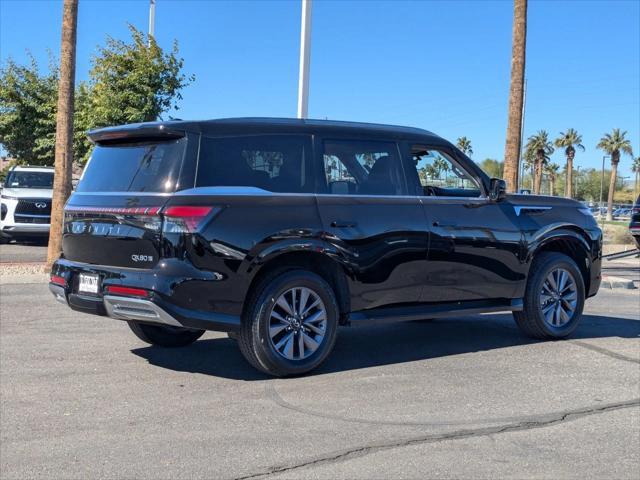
x=156, y=309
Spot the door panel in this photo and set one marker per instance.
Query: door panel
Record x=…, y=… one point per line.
x=384, y=242
x=474, y=250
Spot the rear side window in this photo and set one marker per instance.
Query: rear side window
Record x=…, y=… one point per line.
x=149, y=167
x=277, y=163
x=362, y=168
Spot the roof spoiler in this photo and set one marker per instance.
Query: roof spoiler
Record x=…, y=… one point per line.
x=134, y=133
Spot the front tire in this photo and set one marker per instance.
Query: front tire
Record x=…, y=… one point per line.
x=554, y=298
x=165, y=336
x=290, y=323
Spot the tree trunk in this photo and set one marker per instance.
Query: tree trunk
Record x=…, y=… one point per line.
x=64, y=128
x=552, y=186
x=516, y=95
x=615, y=158
x=537, y=176
x=568, y=190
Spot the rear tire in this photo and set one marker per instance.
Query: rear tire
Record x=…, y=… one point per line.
x=165, y=336
x=290, y=323
x=554, y=298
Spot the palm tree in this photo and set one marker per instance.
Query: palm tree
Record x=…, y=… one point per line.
x=516, y=95
x=613, y=144
x=551, y=170
x=539, y=147
x=464, y=144
x=569, y=140
x=64, y=127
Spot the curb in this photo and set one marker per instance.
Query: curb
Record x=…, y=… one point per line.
x=617, y=282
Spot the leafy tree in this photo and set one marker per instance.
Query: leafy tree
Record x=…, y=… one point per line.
x=492, y=167
x=538, y=148
x=134, y=82
x=129, y=82
x=27, y=111
x=569, y=140
x=613, y=144
x=464, y=144
x=551, y=169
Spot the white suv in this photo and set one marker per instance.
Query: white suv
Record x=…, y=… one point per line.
x=25, y=203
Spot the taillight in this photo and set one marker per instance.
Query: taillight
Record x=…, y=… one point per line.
x=185, y=218
x=58, y=280
x=128, y=291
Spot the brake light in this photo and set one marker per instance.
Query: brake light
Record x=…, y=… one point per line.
x=128, y=291
x=185, y=218
x=58, y=280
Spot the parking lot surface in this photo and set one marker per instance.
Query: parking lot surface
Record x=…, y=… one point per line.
x=469, y=397
x=35, y=251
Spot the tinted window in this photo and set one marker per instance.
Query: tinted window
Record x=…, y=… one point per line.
x=134, y=168
x=361, y=168
x=22, y=179
x=277, y=163
x=441, y=175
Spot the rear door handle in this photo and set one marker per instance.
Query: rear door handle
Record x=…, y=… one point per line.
x=343, y=224
x=436, y=223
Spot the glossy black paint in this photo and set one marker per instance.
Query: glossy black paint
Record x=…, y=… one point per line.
x=408, y=251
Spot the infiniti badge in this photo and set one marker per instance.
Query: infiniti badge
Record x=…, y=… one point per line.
x=41, y=205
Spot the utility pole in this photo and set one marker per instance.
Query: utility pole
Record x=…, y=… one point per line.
x=152, y=19
x=521, y=153
x=64, y=127
x=305, y=57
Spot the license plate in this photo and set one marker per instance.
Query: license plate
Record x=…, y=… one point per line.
x=88, y=283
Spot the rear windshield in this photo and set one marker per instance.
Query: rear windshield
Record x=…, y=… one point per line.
x=277, y=163
x=25, y=179
x=149, y=167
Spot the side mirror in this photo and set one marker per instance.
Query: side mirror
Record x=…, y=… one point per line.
x=497, y=189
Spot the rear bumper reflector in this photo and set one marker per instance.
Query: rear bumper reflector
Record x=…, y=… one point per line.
x=129, y=291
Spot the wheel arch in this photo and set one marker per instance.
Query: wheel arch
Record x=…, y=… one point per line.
x=570, y=241
x=315, y=260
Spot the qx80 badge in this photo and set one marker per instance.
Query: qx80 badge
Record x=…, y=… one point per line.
x=142, y=258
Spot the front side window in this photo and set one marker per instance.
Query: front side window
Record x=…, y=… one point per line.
x=277, y=163
x=440, y=175
x=361, y=168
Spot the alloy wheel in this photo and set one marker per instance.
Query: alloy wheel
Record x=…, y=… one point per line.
x=558, y=298
x=297, y=323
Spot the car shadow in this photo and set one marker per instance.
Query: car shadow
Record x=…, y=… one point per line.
x=364, y=347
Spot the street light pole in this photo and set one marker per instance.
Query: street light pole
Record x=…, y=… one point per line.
x=152, y=19
x=520, y=153
x=305, y=56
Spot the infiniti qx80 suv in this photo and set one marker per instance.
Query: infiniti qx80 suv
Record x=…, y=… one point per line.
x=279, y=231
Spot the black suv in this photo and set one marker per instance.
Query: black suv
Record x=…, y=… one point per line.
x=279, y=230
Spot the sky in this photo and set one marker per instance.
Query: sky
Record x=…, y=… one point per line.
x=439, y=65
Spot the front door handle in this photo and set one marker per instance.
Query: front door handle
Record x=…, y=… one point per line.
x=437, y=223
x=343, y=224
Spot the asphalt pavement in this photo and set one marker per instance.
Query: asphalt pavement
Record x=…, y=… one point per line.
x=469, y=397
x=24, y=252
